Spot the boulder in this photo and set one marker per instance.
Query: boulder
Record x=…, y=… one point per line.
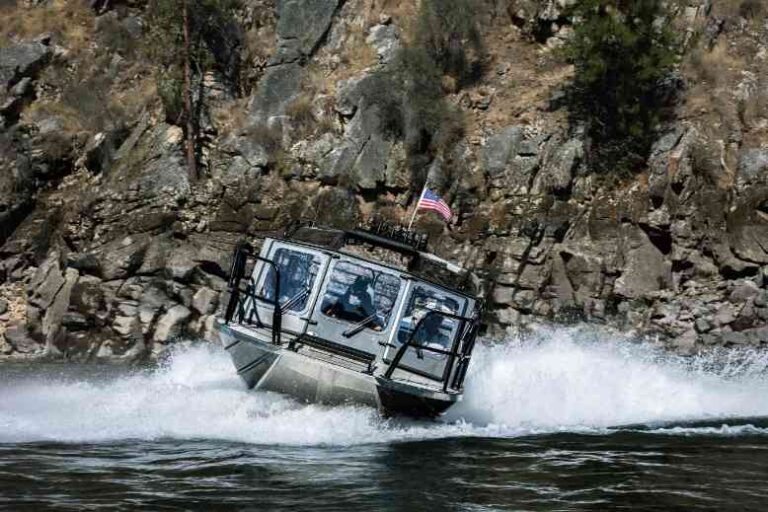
x=752, y=167
x=171, y=324
x=22, y=60
x=743, y=292
x=371, y=164
x=54, y=314
x=3, y=306
x=279, y=87
x=724, y=315
x=18, y=337
x=127, y=326
x=74, y=321
x=205, y=300
x=46, y=282
x=645, y=268
x=121, y=257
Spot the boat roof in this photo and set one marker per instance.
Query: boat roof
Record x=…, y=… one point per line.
x=410, y=246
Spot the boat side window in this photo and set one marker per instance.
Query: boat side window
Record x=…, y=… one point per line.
x=360, y=295
x=436, y=331
x=298, y=271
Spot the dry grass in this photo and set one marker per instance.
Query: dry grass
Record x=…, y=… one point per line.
x=715, y=68
x=748, y=9
x=69, y=22
x=132, y=100
x=301, y=112
x=356, y=54
x=65, y=114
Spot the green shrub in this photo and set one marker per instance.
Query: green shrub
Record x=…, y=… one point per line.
x=169, y=88
x=622, y=54
x=411, y=107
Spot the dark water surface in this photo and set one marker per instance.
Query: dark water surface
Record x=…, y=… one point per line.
x=624, y=470
x=536, y=432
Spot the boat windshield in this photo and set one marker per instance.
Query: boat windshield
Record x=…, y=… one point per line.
x=298, y=271
x=436, y=331
x=360, y=295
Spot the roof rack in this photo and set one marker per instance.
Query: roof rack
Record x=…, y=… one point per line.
x=390, y=233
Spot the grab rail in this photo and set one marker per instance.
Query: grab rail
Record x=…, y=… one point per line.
x=237, y=272
x=461, y=334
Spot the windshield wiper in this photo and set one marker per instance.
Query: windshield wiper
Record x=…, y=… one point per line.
x=294, y=300
x=359, y=326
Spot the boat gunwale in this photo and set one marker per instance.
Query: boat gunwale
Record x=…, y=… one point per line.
x=243, y=334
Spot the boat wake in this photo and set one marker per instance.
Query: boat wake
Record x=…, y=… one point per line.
x=563, y=380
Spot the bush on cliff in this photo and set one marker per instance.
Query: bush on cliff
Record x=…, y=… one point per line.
x=409, y=92
x=411, y=107
x=622, y=51
x=447, y=30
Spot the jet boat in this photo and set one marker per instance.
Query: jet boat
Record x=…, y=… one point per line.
x=362, y=316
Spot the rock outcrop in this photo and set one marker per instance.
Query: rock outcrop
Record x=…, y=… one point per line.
x=108, y=250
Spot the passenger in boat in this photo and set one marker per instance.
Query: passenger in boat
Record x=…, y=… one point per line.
x=429, y=334
x=356, y=305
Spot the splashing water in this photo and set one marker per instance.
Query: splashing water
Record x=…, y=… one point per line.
x=558, y=381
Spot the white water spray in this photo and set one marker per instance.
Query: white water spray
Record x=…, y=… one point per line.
x=556, y=382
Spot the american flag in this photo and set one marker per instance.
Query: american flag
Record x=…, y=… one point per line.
x=431, y=201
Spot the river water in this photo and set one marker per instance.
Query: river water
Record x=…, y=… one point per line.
x=564, y=421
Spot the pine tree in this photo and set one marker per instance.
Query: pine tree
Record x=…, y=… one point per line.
x=622, y=51
x=186, y=40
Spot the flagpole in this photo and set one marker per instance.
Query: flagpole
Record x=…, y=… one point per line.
x=415, y=210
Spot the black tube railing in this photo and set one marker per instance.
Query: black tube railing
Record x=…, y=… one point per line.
x=238, y=298
x=467, y=327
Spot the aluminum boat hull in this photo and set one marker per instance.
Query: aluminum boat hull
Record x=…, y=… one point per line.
x=265, y=366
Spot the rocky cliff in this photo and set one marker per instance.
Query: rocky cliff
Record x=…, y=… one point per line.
x=109, y=250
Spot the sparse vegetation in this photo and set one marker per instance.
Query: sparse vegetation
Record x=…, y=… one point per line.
x=300, y=111
x=187, y=39
x=752, y=9
x=69, y=22
x=411, y=107
x=448, y=32
x=622, y=50
x=409, y=94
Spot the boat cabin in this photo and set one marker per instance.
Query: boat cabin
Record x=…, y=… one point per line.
x=358, y=300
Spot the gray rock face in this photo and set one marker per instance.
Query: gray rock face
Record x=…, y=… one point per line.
x=558, y=171
x=19, y=339
x=498, y=151
x=280, y=86
x=161, y=164
x=46, y=282
x=55, y=313
x=386, y=40
x=753, y=166
x=23, y=60
x=645, y=270
x=301, y=26
x=119, y=258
